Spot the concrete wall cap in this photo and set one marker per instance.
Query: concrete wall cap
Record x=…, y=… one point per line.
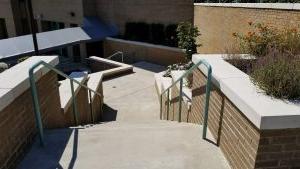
x=145, y=44
x=277, y=6
x=263, y=111
x=15, y=81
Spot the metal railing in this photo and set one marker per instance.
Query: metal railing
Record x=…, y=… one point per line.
x=119, y=53
x=35, y=98
x=180, y=80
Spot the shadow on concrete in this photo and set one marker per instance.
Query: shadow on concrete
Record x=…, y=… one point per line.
x=50, y=155
x=109, y=114
x=149, y=67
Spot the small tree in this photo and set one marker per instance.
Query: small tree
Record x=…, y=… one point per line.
x=187, y=34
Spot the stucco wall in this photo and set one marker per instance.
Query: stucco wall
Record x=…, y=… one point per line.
x=217, y=23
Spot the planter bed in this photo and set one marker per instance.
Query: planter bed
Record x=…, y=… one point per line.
x=252, y=129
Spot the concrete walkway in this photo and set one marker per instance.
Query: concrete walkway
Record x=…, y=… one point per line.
x=133, y=136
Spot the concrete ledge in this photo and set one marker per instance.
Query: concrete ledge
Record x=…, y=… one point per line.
x=65, y=91
x=95, y=79
x=162, y=83
x=263, y=111
x=15, y=80
x=119, y=67
x=276, y=6
x=145, y=44
x=187, y=93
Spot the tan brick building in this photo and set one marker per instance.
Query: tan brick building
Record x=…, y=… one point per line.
x=57, y=14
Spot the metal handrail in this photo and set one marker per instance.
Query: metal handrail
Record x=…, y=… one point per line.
x=36, y=99
x=207, y=91
x=117, y=54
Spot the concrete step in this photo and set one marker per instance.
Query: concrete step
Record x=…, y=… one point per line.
x=114, y=145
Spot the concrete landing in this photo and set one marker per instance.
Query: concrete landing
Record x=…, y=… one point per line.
x=133, y=97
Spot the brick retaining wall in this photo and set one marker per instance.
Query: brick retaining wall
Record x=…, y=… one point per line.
x=243, y=144
x=18, y=126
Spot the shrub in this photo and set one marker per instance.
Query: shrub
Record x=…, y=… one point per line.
x=278, y=75
x=157, y=34
x=187, y=34
x=171, y=36
x=263, y=37
x=257, y=41
x=23, y=59
x=130, y=28
x=277, y=67
x=137, y=31
x=142, y=32
x=3, y=66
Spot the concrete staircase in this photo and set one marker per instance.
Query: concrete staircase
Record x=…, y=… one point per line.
x=128, y=146
x=132, y=136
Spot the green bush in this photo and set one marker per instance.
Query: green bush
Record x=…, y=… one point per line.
x=187, y=34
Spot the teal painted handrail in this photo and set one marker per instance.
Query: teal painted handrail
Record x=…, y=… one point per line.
x=119, y=53
x=207, y=94
x=35, y=98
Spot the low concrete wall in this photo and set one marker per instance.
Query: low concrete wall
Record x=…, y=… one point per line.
x=138, y=51
x=218, y=21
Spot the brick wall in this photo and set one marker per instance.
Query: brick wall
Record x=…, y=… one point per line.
x=17, y=125
x=137, y=51
x=279, y=149
x=217, y=24
x=243, y=144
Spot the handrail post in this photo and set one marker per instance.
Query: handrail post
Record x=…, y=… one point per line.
x=36, y=107
x=168, y=103
x=74, y=103
x=180, y=100
x=206, y=108
x=122, y=57
x=91, y=106
x=161, y=107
